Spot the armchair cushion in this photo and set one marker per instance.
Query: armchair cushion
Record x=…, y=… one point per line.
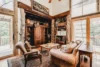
x=35, y=50
x=69, y=47
x=70, y=58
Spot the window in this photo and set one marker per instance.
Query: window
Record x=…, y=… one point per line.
x=6, y=35
x=83, y=7
x=80, y=30
x=95, y=38
x=95, y=31
x=8, y=4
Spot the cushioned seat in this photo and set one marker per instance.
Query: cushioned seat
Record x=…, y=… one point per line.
x=70, y=58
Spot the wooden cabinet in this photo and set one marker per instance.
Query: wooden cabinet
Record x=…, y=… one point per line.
x=39, y=35
x=86, y=50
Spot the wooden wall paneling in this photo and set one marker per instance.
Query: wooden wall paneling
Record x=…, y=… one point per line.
x=53, y=31
x=15, y=26
x=88, y=31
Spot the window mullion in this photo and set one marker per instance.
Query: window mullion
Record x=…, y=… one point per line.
x=88, y=31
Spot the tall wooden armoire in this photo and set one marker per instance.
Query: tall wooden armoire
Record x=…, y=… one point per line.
x=39, y=35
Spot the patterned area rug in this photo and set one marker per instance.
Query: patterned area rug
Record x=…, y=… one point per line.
x=19, y=62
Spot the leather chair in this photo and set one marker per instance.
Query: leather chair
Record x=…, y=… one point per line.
x=28, y=55
x=30, y=48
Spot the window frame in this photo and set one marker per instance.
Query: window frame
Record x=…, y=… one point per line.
x=87, y=18
x=98, y=10
x=14, y=15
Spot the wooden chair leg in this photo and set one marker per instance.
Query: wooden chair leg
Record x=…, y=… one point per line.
x=25, y=61
x=40, y=59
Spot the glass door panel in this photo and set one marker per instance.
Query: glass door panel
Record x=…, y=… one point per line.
x=6, y=35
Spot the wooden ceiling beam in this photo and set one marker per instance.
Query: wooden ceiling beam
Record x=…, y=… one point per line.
x=61, y=15
x=30, y=10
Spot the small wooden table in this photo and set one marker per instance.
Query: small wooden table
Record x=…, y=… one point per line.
x=86, y=50
x=49, y=46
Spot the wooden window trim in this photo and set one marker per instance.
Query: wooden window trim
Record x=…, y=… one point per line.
x=98, y=10
x=87, y=18
x=72, y=26
x=14, y=15
x=88, y=31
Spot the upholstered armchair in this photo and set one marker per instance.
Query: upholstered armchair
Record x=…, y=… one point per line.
x=30, y=48
x=28, y=55
x=66, y=59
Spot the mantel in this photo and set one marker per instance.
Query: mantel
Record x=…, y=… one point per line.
x=29, y=9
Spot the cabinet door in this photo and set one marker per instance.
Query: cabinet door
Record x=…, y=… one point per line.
x=39, y=35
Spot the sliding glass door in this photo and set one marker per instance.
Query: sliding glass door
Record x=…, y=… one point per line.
x=6, y=35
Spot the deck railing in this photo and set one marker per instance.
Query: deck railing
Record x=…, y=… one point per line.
x=4, y=40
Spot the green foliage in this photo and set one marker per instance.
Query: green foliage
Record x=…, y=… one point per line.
x=4, y=28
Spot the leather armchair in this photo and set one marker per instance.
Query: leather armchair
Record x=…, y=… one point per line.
x=28, y=55
x=63, y=59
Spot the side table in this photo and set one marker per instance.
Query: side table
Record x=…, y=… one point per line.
x=86, y=50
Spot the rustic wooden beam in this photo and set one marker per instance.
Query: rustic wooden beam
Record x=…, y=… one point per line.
x=29, y=10
x=61, y=15
x=15, y=25
x=6, y=11
x=68, y=28
x=53, y=31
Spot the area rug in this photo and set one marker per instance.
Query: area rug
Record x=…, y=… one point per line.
x=19, y=62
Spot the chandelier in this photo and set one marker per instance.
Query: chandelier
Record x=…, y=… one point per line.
x=51, y=1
